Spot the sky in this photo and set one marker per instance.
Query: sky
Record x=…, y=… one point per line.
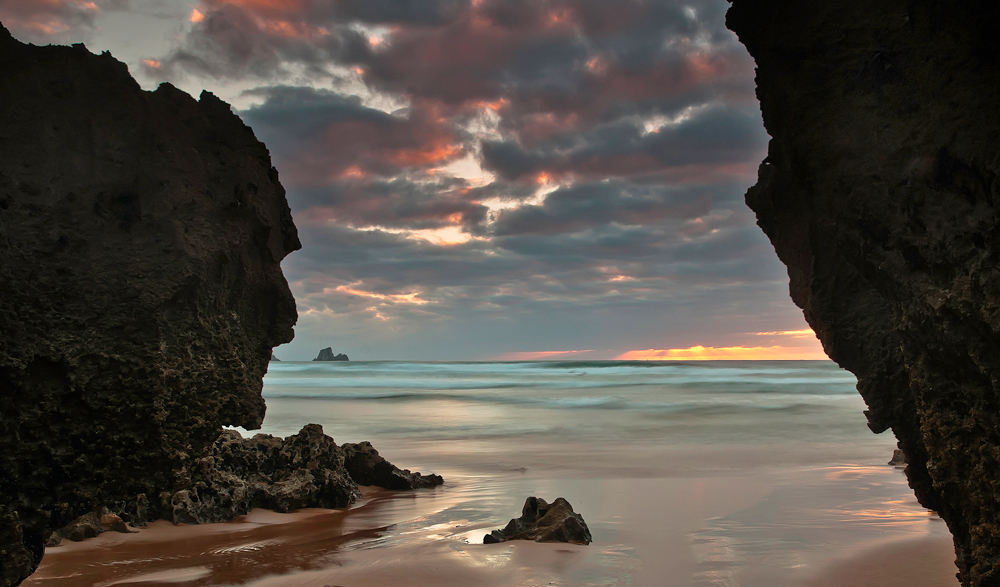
x=487, y=179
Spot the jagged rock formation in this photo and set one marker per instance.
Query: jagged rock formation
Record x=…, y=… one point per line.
x=140, y=288
x=274, y=358
x=367, y=467
x=544, y=522
x=327, y=355
x=307, y=469
x=880, y=194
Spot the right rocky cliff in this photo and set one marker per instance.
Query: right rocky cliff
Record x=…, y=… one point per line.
x=880, y=195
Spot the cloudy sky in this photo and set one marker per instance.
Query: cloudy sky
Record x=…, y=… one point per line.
x=487, y=179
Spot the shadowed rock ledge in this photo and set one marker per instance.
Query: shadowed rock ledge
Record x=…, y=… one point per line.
x=880, y=194
x=140, y=287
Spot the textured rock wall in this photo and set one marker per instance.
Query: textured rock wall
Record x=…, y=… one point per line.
x=880, y=194
x=140, y=291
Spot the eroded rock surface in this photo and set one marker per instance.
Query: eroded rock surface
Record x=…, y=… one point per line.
x=307, y=469
x=544, y=522
x=89, y=525
x=140, y=288
x=283, y=474
x=880, y=194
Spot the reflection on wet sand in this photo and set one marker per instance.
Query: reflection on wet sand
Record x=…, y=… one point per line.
x=776, y=527
x=733, y=474
x=235, y=553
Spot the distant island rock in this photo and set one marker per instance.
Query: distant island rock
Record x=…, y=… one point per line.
x=274, y=359
x=327, y=355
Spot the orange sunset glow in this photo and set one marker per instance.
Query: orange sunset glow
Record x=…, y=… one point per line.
x=733, y=353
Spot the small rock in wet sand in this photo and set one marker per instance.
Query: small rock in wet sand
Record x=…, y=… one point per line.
x=544, y=522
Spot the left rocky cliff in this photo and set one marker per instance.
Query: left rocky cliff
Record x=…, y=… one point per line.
x=140, y=288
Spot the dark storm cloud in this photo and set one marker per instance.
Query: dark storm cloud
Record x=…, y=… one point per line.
x=592, y=60
x=531, y=272
x=410, y=12
x=54, y=21
x=719, y=135
x=394, y=203
x=544, y=56
x=239, y=38
x=583, y=206
x=233, y=41
x=320, y=136
x=555, y=163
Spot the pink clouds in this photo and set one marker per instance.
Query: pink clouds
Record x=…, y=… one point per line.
x=48, y=21
x=349, y=141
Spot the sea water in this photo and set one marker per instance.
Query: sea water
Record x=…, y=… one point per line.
x=700, y=473
x=620, y=413
x=707, y=474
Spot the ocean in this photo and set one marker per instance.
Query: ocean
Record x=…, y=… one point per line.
x=722, y=474
x=543, y=413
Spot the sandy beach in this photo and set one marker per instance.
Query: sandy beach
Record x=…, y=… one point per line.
x=751, y=475
x=648, y=532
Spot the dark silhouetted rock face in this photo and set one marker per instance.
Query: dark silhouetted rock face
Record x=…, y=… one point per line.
x=327, y=355
x=140, y=288
x=544, y=522
x=880, y=194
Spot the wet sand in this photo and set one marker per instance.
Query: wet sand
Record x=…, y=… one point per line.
x=923, y=562
x=790, y=527
x=728, y=475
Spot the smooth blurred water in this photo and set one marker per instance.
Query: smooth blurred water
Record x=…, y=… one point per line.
x=701, y=473
x=708, y=474
x=608, y=406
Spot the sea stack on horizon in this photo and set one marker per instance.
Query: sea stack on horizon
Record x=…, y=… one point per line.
x=327, y=355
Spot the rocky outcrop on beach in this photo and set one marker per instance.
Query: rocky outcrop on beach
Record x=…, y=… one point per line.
x=89, y=525
x=305, y=470
x=274, y=358
x=140, y=288
x=544, y=522
x=327, y=355
x=282, y=474
x=880, y=193
x=367, y=467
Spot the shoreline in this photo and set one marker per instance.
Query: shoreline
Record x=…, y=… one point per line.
x=695, y=529
x=265, y=542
